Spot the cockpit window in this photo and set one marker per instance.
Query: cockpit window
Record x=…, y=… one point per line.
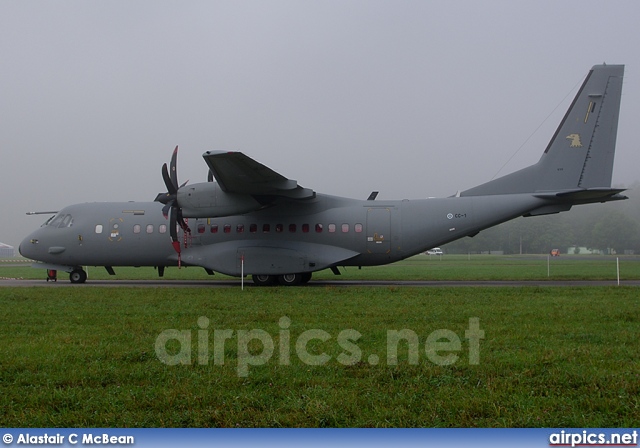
x=67, y=221
x=60, y=221
x=55, y=222
x=48, y=221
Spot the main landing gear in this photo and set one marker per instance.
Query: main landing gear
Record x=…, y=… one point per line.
x=284, y=280
x=78, y=276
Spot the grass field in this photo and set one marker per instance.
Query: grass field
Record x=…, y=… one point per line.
x=550, y=357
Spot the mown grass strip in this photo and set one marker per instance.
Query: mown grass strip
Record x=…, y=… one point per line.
x=556, y=357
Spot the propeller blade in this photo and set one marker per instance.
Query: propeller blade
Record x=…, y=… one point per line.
x=174, y=234
x=165, y=210
x=173, y=230
x=171, y=188
x=171, y=208
x=182, y=222
x=174, y=169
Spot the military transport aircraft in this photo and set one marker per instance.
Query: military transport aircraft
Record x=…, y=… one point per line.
x=254, y=221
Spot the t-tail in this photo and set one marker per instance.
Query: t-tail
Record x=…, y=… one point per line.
x=577, y=165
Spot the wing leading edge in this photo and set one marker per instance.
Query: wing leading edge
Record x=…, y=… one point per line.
x=237, y=173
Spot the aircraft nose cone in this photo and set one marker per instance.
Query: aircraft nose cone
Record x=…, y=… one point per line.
x=27, y=247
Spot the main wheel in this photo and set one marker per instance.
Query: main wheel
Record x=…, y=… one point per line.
x=290, y=279
x=78, y=276
x=264, y=280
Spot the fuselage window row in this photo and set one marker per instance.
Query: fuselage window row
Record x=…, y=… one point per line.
x=279, y=228
x=253, y=228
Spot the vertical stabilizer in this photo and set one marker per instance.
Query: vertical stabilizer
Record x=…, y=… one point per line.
x=580, y=153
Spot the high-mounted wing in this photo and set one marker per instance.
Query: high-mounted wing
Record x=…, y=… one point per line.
x=237, y=173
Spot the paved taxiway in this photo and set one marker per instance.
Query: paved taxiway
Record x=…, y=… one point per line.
x=157, y=283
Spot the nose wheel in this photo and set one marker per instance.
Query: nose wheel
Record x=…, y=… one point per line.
x=78, y=276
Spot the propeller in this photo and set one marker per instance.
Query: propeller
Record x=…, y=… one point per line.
x=171, y=209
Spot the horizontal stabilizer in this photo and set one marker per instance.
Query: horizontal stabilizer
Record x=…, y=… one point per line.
x=586, y=196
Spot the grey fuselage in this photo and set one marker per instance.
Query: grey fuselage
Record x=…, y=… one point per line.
x=309, y=236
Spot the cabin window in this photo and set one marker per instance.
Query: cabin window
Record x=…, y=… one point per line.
x=279, y=228
x=98, y=228
x=292, y=228
x=253, y=228
x=345, y=228
x=332, y=228
x=358, y=228
x=266, y=228
x=162, y=228
x=137, y=228
x=150, y=228
x=214, y=228
x=201, y=228
x=305, y=228
x=227, y=228
x=318, y=228
x=240, y=228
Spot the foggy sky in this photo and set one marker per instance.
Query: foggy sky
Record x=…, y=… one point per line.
x=412, y=98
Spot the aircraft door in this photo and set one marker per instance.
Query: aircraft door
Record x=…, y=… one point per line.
x=378, y=230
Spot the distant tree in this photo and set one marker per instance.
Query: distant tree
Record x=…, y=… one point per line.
x=615, y=230
x=537, y=234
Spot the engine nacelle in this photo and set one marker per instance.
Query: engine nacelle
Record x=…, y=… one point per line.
x=207, y=200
